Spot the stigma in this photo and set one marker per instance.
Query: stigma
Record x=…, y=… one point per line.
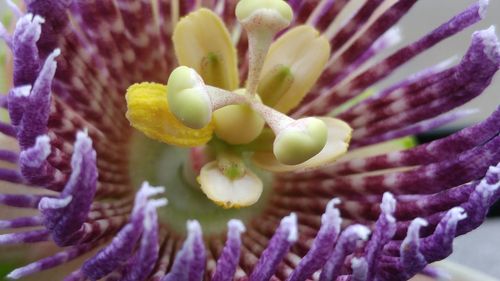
x=204, y=105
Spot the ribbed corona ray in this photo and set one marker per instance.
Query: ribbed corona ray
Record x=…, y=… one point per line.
x=342, y=199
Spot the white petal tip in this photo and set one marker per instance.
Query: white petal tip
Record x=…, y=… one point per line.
x=157, y=203
x=54, y=203
x=388, y=205
x=193, y=226
x=361, y=231
x=458, y=213
x=483, y=7
x=290, y=223
x=332, y=214
x=237, y=225
x=491, y=43
x=333, y=202
x=419, y=222
x=150, y=190
x=55, y=53
x=22, y=91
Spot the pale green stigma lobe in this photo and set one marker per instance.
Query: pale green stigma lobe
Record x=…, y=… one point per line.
x=188, y=99
x=300, y=141
x=246, y=8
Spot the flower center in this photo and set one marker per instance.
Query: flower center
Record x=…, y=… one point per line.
x=229, y=129
x=169, y=166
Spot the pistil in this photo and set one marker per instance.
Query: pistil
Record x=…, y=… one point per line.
x=296, y=140
x=262, y=20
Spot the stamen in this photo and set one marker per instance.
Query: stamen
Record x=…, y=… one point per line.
x=262, y=19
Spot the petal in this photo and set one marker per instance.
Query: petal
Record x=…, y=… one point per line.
x=229, y=193
x=230, y=256
x=284, y=237
x=140, y=266
x=322, y=246
x=327, y=96
x=190, y=260
x=345, y=246
x=303, y=53
x=80, y=189
x=148, y=112
x=339, y=134
x=202, y=42
x=123, y=243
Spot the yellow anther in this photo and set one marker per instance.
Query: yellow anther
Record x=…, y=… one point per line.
x=238, y=124
x=188, y=98
x=148, y=111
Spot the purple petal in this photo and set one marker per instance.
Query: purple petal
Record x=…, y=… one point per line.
x=412, y=260
x=56, y=19
x=439, y=245
x=345, y=246
x=339, y=95
x=121, y=247
x=27, y=63
x=385, y=229
x=32, y=236
x=190, y=261
x=141, y=265
x=278, y=246
x=36, y=111
x=52, y=261
x=21, y=200
x=322, y=246
x=230, y=256
x=21, y=222
x=66, y=220
x=34, y=165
